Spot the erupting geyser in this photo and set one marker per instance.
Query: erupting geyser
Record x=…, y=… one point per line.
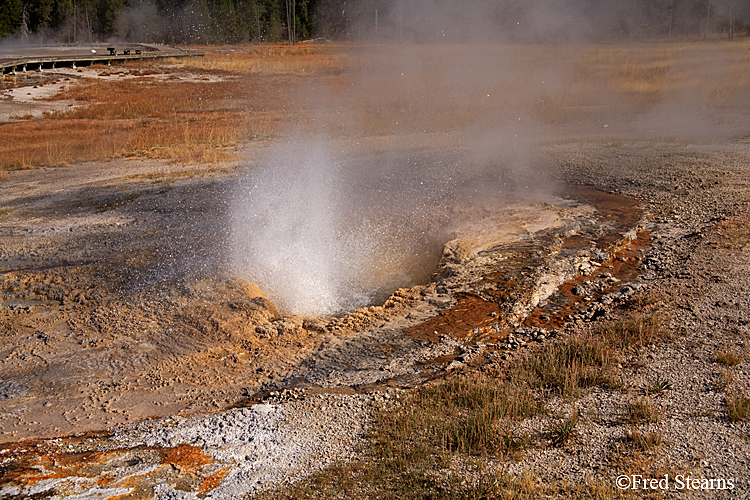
x=322, y=231
x=322, y=236
x=325, y=235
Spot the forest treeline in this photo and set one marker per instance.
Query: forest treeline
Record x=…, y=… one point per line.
x=269, y=21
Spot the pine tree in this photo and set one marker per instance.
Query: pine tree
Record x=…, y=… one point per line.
x=11, y=16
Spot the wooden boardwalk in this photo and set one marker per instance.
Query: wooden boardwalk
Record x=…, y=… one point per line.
x=24, y=58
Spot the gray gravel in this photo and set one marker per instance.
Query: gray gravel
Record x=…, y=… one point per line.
x=266, y=444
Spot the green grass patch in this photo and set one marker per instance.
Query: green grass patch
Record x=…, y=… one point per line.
x=735, y=233
x=359, y=481
x=637, y=331
x=438, y=439
x=463, y=415
x=564, y=430
x=413, y=444
x=659, y=385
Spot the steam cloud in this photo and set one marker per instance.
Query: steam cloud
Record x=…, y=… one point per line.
x=324, y=235
x=324, y=232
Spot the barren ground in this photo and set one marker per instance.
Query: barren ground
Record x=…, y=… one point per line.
x=125, y=344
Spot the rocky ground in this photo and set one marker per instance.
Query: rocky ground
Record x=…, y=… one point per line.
x=130, y=363
x=697, y=212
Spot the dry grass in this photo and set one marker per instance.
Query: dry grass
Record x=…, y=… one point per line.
x=272, y=60
x=736, y=395
x=728, y=358
x=644, y=440
x=650, y=72
x=414, y=446
x=640, y=329
x=30, y=144
x=649, y=301
x=57, y=142
x=562, y=431
x=184, y=121
x=433, y=426
x=27, y=116
x=726, y=379
x=345, y=482
x=571, y=366
x=735, y=233
x=437, y=441
x=361, y=92
x=738, y=407
x=642, y=410
x=464, y=415
x=176, y=117
x=639, y=74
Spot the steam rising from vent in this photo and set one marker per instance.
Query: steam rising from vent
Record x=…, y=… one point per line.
x=321, y=236
x=461, y=119
x=288, y=241
x=323, y=226
x=324, y=235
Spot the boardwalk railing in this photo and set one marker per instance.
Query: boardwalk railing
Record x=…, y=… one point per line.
x=40, y=58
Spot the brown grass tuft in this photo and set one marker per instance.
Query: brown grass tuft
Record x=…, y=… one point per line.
x=464, y=415
x=420, y=447
x=182, y=121
x=644, y=440
x=179, y=118
x=642, y=410
x=728, y=358
x=638, y=330
x=27, y=116
x=255, y=98
x=735, y=234
x=738, y=407
x=570, y=366
x=562, y=431
x=271, y=60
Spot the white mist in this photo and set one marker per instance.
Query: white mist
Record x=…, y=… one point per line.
x=321, y=236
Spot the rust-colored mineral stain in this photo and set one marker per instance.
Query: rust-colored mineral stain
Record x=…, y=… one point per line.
x=141, y=487
x=213, y=481
x=24, y=472
x=502, y=287
x=66, y=460
x=30, y=462
x=574, y=242
x=470, y=312
x=473, y=314
x=623, y=211
x=104, y=481
x=186, y=458
x=624, y=264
